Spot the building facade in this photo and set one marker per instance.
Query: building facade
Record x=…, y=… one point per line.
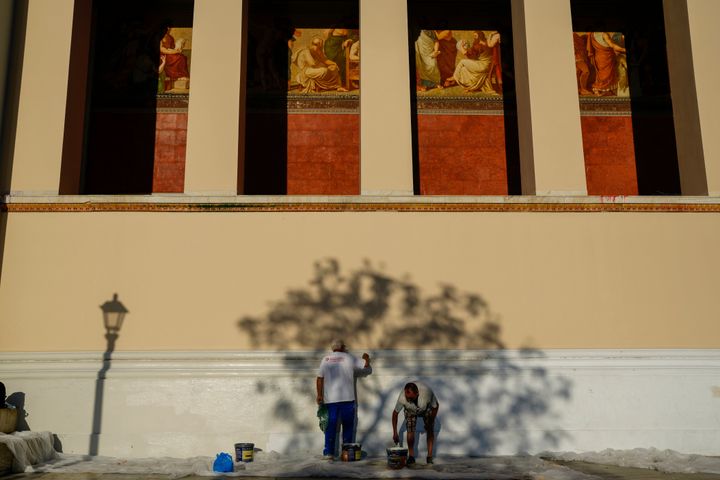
x=539, y=246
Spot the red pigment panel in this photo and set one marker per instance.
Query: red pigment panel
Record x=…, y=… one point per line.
x=323, y=154
x=170, y=144
x=462, y=155
x=609, y=155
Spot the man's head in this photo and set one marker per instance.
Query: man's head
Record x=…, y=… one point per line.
x=317, y=43
x=411, y=392
x=338, y=345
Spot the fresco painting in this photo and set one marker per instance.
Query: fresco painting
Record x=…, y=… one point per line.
x=324, y=61
x=174, y=67
x=458, y=63
x=601, y=64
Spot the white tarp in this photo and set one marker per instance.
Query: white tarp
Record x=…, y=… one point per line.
x=33, y=452
x=29, y=448
x=275, y=465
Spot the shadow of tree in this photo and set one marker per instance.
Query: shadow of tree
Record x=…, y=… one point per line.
x=492, y=399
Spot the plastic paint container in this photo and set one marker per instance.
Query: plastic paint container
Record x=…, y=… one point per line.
x=244, y=452
x=397, y=457
x=354, y=452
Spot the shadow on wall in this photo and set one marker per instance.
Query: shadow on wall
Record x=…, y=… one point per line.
x=491, y=401
x=113, y=315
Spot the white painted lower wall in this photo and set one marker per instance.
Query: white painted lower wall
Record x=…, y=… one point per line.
x=183, y=404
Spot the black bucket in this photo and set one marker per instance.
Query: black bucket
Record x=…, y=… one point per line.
x=244, y=452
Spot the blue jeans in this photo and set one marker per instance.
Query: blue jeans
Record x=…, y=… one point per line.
x=344, y=413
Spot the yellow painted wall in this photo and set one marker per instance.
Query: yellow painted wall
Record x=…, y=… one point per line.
x=554, y=280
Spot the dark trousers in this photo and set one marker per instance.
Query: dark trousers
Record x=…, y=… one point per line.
x=344, y=413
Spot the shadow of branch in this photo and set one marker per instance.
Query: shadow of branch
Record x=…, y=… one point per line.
x=495, y=399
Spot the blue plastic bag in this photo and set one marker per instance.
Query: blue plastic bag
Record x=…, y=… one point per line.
x=223, y=463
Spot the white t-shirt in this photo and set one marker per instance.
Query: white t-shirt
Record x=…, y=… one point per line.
x=338, y=371
x=425, y=401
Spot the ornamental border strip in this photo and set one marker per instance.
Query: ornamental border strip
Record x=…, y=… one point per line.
x=186, y=207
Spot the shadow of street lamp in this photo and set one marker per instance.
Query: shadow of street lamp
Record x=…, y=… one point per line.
x=113, y=315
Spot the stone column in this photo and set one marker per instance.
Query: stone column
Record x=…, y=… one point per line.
x=214, y=141
x=37, y=157
x=6, y=16
x=693, y=49
x=385, y=127
x=550, y=137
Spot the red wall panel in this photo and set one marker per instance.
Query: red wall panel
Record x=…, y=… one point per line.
x=323, y=154
x=170, y=143
x=462, y=155
x=609, y=155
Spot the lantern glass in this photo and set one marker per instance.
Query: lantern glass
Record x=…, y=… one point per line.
x=113, y=320
x=113, y=314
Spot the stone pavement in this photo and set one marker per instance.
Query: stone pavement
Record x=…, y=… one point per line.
x=605, y=472
x=624, y=473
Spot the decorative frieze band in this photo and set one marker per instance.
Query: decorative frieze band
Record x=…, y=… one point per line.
x=596, y=205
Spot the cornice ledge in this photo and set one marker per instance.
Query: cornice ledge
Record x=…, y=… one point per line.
x=18, y=203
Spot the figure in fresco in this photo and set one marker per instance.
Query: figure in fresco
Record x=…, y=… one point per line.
x=603, y=52
x=291, y=45
x=354, y=55
x=316, y=72
x=448, y=56
x=174, y=63
x=353, y=66
x=623, y=87
x=336, y=41
x=582, y=67
x=427, y=49
x=474, y=73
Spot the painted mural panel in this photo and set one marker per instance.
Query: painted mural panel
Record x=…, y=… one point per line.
x=460, y=124
x=458, y=63
x=601, y=64
x=302, y=111
x=603, y=85
x=324, y=60
x=174, y=67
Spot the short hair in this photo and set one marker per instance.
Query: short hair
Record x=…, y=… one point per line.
x=412, y=387
x=337, y=344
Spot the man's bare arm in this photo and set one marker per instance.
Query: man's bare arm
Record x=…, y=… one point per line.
x=320, y=385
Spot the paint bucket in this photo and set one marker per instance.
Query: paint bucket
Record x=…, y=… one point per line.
x=397, y=457
x=244, y=452
x=8, y=420
x=351, y=452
